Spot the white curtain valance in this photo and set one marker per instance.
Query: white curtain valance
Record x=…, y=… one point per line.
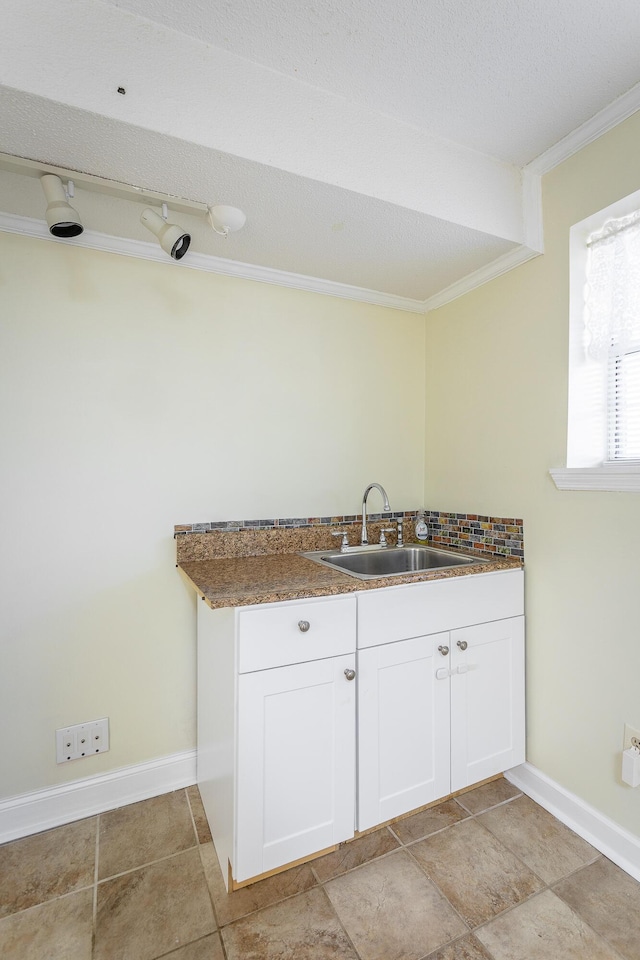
x=612, y=296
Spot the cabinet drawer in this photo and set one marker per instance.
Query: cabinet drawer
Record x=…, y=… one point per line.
x=414, y=610
x=270, y=636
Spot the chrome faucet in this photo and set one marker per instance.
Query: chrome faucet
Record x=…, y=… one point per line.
x=364, y=540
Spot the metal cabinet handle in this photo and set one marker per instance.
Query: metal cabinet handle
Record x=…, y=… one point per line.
x=349, y=674
x=303, y=625
x=462, y=644
x=443, y=650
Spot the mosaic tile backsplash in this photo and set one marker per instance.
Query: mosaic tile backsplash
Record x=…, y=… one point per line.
x=502, y=535
x=468, y=531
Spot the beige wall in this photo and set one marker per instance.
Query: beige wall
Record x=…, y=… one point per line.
x=496, y=422
x=136, y=395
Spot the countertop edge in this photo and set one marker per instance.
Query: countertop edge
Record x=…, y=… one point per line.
x=201, y=575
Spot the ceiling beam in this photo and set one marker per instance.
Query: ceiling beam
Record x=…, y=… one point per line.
x=179, y=86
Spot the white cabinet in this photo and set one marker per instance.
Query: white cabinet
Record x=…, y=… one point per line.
x=440, y=681
x=487, y=700
x=403, y=728
x=276, y=730
x=296, y=763
x=437, y=711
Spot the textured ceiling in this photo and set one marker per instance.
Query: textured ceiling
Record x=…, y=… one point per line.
x=506, y=77
x=369, y=143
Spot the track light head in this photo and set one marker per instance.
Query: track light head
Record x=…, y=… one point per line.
x=172, y=238
x=62, y=219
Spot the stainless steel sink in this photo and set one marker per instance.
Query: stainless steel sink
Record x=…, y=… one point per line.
x=390, y=561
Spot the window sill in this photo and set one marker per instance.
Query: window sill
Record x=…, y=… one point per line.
x=614, y=479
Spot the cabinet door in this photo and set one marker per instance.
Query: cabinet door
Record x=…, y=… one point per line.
x=295, y=763
x=487, y=700
x=403, y=727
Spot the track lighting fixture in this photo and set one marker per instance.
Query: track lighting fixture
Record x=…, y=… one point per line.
x=172, y=238
x=225, y=219
x=62, y=219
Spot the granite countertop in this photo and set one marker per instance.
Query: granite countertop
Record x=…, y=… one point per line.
x=241, y=580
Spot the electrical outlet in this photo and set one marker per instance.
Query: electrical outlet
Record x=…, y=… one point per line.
x=82, y=740
x=631, y=737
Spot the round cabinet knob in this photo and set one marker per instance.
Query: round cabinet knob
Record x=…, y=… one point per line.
x=444, y=650
x=462, y=644
x=303, y=625
x=349, y=674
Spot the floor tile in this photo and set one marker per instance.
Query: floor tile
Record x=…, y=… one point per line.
x=199, y=816
x=141, y=832
x=466, y=949
x=475, y=871
x=546, y=845
x=609, y=900
x=302, y=928
x=57, y=930
x=429, y=821
x=47, y=865
x=391, y=910
x=264, y=893
x=488, y=795
x=544, y=928
x=373, y=899
x=150, y=911
x=354, y=853
x=209, y=948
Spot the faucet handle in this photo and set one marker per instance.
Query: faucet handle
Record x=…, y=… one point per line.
x=345, y=540
x=383, y=539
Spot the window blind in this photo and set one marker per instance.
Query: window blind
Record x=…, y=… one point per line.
x=624, y=407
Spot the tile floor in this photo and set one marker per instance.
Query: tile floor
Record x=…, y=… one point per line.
x=489, y=876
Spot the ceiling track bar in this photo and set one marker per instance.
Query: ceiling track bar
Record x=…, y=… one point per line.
x=111, y=188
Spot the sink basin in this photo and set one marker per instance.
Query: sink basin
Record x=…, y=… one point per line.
x=390, y=561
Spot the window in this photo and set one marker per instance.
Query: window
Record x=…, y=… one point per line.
x=603, y=448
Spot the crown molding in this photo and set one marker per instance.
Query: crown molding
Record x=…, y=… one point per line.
x=29, y=227
x=514, y=258
x=607, y=118
x=90, y=239
x=615, y=113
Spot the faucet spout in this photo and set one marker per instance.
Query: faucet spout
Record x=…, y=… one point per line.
x=364, y=540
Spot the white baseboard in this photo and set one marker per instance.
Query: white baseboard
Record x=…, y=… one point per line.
x=616, y=843
x=43, y=809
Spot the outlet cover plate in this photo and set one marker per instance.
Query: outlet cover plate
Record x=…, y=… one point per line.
x=82, y=740
x=629, y=735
